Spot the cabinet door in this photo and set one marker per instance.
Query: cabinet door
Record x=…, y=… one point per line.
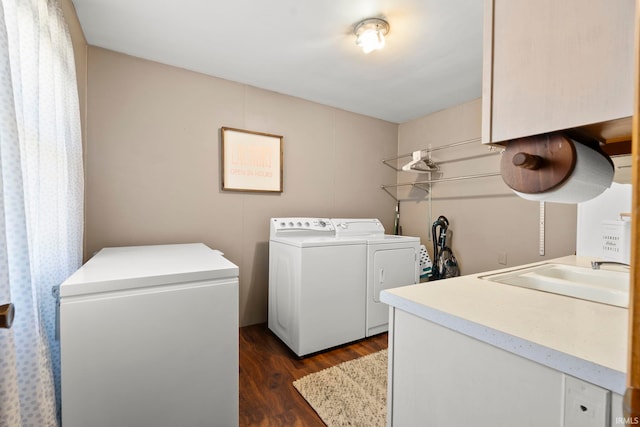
x=551, y=65
x=439, y=377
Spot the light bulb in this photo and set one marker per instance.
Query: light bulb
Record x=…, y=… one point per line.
x=370, y=39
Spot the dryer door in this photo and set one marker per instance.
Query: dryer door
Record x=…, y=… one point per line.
x=393, y=268
x=388, y=268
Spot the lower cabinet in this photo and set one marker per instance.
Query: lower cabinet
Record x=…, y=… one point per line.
x=439, y=377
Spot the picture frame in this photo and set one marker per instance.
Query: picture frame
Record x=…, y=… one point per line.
x=251, y=161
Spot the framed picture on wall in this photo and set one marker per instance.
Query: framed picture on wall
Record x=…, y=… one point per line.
x=251, y=161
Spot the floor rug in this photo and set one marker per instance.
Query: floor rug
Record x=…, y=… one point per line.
x=353, y=393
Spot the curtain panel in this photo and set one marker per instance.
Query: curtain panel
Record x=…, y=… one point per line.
x=41, y=202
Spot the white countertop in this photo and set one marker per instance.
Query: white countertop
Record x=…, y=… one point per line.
x=583, y=339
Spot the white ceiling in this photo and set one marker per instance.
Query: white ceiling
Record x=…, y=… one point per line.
x=306, y=48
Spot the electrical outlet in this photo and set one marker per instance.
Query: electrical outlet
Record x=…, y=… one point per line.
x=502, y=258
x=585, y=405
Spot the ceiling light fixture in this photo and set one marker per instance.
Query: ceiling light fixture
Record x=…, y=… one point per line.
x=370, y=34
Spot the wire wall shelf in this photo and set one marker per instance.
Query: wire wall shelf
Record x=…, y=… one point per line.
x=425, y=185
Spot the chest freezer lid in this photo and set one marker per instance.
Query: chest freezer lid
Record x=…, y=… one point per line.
x=134, y=267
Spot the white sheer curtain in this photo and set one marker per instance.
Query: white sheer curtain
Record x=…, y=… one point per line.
x=41, y=201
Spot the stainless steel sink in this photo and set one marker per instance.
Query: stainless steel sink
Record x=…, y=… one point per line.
x=603, y=286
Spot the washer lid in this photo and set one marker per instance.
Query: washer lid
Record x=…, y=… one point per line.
x=134, y=267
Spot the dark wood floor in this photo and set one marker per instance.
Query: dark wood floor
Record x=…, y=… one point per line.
x=268, y=368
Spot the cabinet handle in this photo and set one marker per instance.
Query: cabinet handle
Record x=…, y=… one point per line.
x=7, y=312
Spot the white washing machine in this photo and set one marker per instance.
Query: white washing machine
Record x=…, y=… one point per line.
x=317, y=285
x=392, y=261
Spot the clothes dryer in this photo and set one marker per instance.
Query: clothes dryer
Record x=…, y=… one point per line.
x=317, y=285
x=392, y=261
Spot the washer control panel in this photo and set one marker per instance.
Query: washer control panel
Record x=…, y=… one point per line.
x=298, y=224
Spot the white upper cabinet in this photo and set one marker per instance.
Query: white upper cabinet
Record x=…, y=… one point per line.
x=557, y=64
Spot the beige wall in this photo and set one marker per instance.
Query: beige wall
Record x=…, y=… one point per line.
x=485, y=217
x=153, y=168
x=151, y=136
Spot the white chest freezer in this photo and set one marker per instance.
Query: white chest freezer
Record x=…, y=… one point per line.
x=149, y=337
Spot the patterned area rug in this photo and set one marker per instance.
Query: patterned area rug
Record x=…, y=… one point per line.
x=353, y=393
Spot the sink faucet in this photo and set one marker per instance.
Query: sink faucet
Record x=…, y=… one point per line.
x=596, y=264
